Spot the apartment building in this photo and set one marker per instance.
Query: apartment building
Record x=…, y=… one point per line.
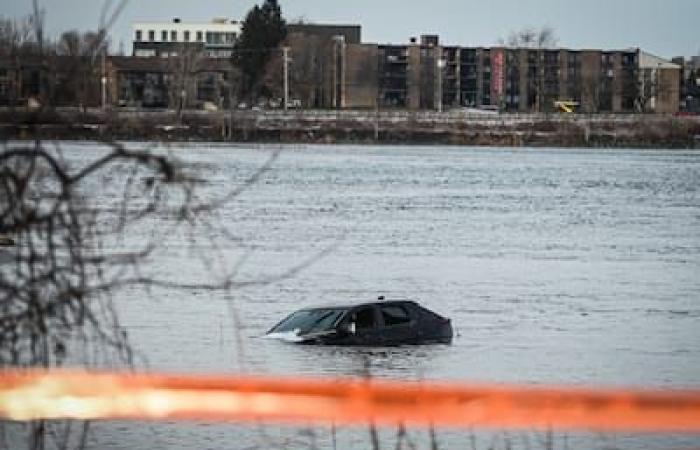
x=391, y=76
x=330, y=67
x=660, y=84
x=689, y=83
x=426, y=75
x=162, y=39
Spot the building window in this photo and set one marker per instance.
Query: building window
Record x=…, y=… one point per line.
x=139, y=35
x=573, y=59
x=215, y=38
x=173, y=36
x=532, y=57
x=151, y=35
x=551, y=58
x=199, y=36
x=187, y=36
x=164, y=35
x=629, y=59
x=606, y=59
x=145, y=53
x=468, y=56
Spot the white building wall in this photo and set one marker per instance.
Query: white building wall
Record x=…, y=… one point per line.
x=649, y=61
x=218, y=36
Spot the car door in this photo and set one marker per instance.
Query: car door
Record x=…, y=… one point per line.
x=365, y=324
x=397, y=325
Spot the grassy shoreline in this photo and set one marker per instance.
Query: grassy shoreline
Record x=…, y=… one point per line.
x=357, y=127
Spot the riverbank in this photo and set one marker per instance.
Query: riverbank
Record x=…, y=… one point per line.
x=370, y=127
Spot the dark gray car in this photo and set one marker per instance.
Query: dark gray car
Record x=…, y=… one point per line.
x=381, y=323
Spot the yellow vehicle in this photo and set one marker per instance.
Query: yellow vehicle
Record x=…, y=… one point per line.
x=566, y=106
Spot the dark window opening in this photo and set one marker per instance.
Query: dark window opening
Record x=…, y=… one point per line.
x=532, y=57
x=394, y=315
x=364, y=319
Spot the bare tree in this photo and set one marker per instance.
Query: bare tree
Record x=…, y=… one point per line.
x=21, y=44
x=58, y=280
x=75, y=65
x=15, y=36
x=182, y=70
x=590, y=92
x=535, y=40
x=647, y=89
x=544, y=37
x=310, y=59
x=652, y=87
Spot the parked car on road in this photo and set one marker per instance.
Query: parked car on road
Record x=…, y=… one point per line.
x=380, y=323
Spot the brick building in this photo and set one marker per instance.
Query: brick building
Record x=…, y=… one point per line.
x=689, y=83
x=330, y=67
x=197, y=83
x=425, y=75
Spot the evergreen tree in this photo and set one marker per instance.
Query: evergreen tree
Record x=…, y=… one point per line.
x=263, y=31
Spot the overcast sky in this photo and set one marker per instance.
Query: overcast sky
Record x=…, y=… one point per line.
x=663, y=27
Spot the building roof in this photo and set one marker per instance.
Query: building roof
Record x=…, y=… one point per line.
x=649, y=61
x=214, y=25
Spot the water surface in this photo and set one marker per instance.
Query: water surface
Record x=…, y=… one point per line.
x=573, y=266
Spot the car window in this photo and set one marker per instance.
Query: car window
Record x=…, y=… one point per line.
x=429, y=314
x=308, y=321
x=394, y=315
x=364, y=318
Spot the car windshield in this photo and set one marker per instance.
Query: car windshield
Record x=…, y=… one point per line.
x=310, y=321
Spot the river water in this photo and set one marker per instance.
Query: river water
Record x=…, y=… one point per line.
x=564, y=266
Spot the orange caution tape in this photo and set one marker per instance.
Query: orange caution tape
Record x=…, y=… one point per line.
x=73, y=395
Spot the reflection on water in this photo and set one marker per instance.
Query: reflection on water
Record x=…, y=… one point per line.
x=409, y=362
x=555, y=266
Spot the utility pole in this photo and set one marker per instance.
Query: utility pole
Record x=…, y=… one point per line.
x=285, y=57
x=104, y=79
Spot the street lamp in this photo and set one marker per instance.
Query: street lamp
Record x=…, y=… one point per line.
x=103, y=79
x=286, y=60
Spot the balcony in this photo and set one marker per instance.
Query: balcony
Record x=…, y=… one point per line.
x=396, y=59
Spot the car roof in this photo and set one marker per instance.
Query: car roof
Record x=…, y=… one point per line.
x=356, y=305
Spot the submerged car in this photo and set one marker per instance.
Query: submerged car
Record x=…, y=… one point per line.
x=381, y=323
